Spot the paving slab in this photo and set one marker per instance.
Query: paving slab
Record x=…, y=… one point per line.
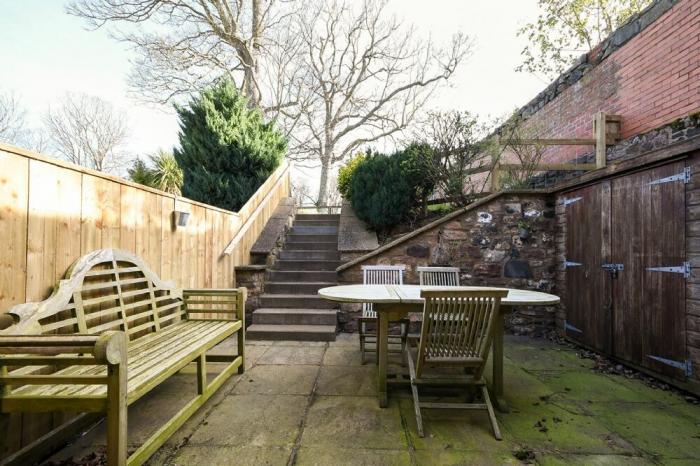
x=304, y=344
x=346, y=340
x=348, y=381
x=278, y=380
x=652, y=428
x=191, y=455
x=320, y=456
x=293, y=355
x=337, y=420
x=592, y=460
x=341, y=356
x=252, y=420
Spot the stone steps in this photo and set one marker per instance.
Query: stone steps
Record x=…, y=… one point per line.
x=290, y=308
x=295, y=287
x=312, y=246
x=303, y=276
x=314, y=230
x=304, y=223
x=294, y=254
x=315, y=265
x=295, y=301
x=272, y=316
x=325, y=217
x=291, y=332
x=297, y=238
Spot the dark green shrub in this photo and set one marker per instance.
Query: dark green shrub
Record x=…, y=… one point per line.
x=381, y=195
x=384, y=189
x=227, y=150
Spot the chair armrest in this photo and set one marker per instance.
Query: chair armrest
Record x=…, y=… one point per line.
x=215, y=303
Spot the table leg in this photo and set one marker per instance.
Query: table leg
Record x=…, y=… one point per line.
x=497, y=382
x=382, y=355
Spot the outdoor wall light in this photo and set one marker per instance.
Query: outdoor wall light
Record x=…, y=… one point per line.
x=181, y=218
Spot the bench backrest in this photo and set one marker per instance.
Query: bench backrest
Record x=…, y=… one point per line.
x=105, y=290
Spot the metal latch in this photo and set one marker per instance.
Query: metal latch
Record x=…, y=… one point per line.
x=613, y=269
x=568, y=264
x=683, y=176
x=684, y=269
x=686, y=366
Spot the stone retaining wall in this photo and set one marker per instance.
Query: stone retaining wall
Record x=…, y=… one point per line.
x=485, y=242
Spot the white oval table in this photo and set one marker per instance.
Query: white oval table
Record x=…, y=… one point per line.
x=394, y=302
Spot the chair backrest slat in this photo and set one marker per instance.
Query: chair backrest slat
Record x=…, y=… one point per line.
x=380, y=275
x=458, y=327
x=438, y=276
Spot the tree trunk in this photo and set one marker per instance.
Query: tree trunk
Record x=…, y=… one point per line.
x=322, y=198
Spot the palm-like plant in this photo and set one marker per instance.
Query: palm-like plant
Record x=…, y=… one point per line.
x=166, y=173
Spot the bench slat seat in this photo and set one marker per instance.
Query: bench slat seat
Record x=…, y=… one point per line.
x=146, y=362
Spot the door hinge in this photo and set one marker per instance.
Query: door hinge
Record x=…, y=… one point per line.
x=686, y=366
x=683, y=176
x=568, y=264
x=571, y=200
x=684, y=269
x=568, y=326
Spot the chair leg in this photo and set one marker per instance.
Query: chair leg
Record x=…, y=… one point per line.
x=416, y=408
x=492, y=415
x=362, y=341
x=404, y=335
x=414, y=392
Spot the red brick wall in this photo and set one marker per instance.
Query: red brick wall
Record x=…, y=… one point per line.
x=651, y=81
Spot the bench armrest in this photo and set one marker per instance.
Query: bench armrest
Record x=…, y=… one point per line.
x=31, y=353
x=215, y=303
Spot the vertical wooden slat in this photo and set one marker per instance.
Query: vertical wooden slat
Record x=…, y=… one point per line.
x=14, y=180
x=129, y=212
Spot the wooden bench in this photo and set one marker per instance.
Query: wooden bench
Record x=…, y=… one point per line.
x=111, y=332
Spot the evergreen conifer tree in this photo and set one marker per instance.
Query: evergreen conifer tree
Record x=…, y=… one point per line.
x=227, y=150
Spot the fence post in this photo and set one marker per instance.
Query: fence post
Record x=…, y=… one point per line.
x=601, y=143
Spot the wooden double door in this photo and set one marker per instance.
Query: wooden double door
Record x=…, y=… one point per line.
x=626, y=268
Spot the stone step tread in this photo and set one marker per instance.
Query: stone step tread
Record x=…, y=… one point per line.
x=302, y=283
x=274, y=310
x=307, y=251
x=309, y=260
x=291, y=328
x=290, y=296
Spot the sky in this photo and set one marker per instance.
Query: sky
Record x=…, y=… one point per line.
x=46, y=53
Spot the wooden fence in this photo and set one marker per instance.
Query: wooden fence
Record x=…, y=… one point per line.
x=52, y=212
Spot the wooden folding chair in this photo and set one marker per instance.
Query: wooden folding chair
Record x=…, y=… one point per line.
x=379, y=275
x=438, y=276
x=457, y=331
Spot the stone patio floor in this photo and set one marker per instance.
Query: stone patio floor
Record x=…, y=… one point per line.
x=314, y=404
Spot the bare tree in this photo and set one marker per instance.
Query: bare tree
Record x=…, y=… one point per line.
x=366, y=76
x=14, y=128
x=11, y=118
x=88, y=131
x=190, y=43
x=459, y=146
